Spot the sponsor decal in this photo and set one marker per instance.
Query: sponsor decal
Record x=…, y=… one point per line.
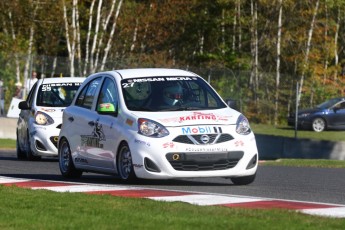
x=201, y=130
x=81, y=160
x=197, y=116
x=90, y=141
x=168, y=145
x=206, y=149
x=47, y=110
x=196, y=130
x=47, y=87
x=239, y=143
x=94, y=139
x=130, y=82
x=142, y=142
x=129, y=122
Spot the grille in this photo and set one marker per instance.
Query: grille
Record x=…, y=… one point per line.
x=195, y=139
x=204, y=161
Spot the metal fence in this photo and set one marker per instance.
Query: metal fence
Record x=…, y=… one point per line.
x=257, y=102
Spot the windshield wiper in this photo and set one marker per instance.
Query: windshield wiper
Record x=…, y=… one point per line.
x=137, y=108
x=183, y=108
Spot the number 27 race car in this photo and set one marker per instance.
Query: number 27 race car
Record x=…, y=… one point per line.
x=155, y=124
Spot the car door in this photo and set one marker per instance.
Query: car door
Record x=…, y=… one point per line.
x=107, y=126
x=24, y=119
x=338, y=116
x=81, y=120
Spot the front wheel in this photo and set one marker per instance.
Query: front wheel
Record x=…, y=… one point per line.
x=319, y=124
x=244, y=180
x=20, y=153
x=66, y=165
x=124, y=163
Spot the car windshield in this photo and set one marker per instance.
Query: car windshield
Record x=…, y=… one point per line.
x=169, y=94
x=57, y=94
x=328, y=104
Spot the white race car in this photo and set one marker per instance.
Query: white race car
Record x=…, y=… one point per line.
x=40, y=118
x=155, y=124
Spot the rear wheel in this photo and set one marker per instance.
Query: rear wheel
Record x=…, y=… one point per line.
x=66, y=165
x=124, y=163
x=245, y=180
x=319, y=124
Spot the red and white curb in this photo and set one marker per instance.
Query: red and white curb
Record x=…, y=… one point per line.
x=312, y=208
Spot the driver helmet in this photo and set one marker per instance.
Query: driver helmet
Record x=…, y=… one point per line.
x=173, y=94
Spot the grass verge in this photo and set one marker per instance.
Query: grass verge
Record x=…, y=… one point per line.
x=7, y=144
x=287, y=131
x=40, y=209
x=317, y=163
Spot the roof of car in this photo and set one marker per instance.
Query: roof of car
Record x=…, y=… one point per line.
x=152, y=72
x=61, y=79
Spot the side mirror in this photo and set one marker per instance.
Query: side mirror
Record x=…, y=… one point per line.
x=107, y=109
x=23, y=105
x=232, y=104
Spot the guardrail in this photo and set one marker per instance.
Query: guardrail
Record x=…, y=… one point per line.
x=276, y=147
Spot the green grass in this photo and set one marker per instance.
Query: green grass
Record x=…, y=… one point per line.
x=287, y=131
x=7, y=144
x=320, y=163
x=29, y=209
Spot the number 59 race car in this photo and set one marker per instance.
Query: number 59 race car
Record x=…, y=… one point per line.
x=155, y=123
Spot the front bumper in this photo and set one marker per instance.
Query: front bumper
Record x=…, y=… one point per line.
x=163, y=158
x=43, y=140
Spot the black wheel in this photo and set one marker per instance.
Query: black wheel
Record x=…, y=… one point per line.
x=245, y=180
x=319, y=124
x=29, y=155
x=20, y=153
x=124, y=163
x=66, y=165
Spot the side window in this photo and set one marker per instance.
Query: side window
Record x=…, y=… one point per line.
x=86, y=96
x=342, y=105
x=30, y=97
x=108, y=97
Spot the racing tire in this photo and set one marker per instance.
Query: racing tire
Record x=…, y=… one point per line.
x=29, y=155
x=318, y=124
x=20, y=153
x=244, y=180
x=124, y=163
x=66, y=164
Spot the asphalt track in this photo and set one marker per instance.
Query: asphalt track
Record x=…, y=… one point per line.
x=309, y=190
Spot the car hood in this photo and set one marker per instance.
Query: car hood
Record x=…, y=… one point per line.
x=224, y=116
x=311, y=110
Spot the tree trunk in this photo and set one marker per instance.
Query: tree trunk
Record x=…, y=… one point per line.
x=254, y=50
x=13, y=34
x=104, y=31
x=87, y=45
x=336, y=56
x=306, y=57
x=278, y=62
x=107, y=48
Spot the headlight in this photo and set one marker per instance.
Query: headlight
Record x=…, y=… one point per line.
x=151, y=128
x=43, y=119
x=242, y=125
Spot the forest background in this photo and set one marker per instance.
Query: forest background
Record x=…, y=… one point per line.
x=265, y=54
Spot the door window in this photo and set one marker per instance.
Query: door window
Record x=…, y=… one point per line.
x=87, y=95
